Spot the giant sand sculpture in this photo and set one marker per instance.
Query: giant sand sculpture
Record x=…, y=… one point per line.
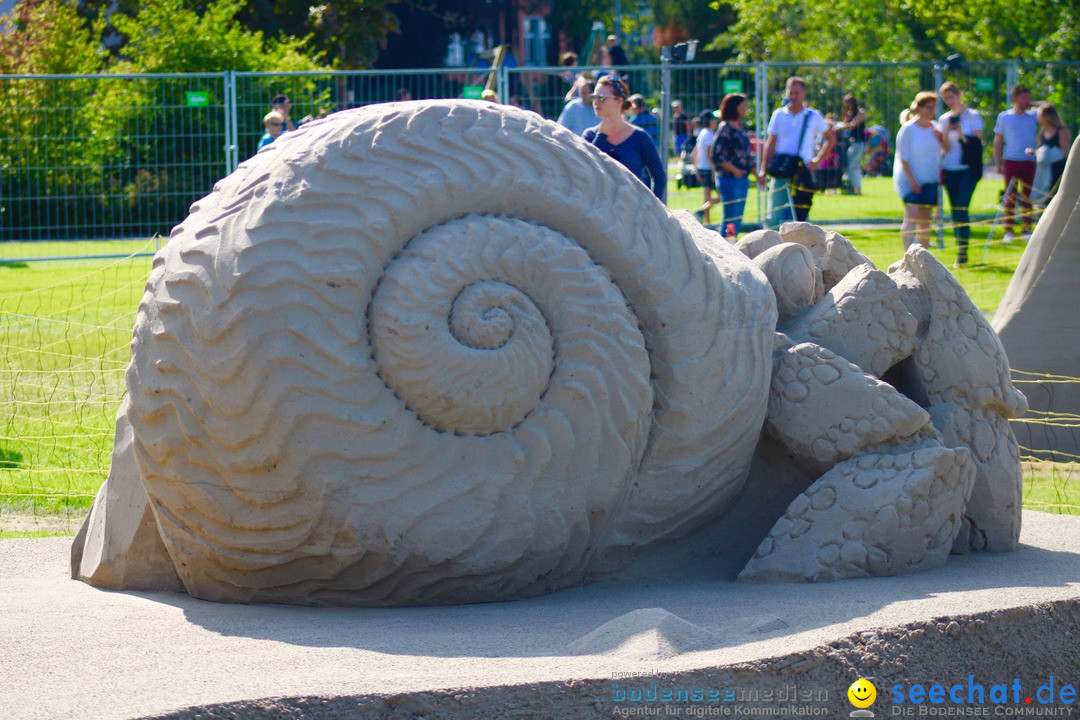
x=447, y=352
x=1039, y=325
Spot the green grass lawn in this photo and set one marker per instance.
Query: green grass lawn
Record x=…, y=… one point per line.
x=877, y=203
x=871, y=221
x=65, y=249
x=1052, y=487
x=5, y=534
x=65, y=328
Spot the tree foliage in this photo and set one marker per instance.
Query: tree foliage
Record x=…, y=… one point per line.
x=82, y=153
x=352, y=31
x=903, y=30
x=344, y=33
x=681, y=20
x=49, y=37
x=168, y=36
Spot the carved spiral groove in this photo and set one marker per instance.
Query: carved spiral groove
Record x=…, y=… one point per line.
x=471, y=353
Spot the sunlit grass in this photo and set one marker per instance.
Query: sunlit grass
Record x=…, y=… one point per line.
x=8, y=534
x=65, y=329
x=1052, y=487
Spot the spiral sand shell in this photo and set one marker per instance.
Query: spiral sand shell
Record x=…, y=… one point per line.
x=438, y=352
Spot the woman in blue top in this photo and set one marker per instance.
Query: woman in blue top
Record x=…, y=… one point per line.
x=623, y=141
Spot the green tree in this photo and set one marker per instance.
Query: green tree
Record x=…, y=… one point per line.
x=681, y=20
x=90, y=153
x=575, y=19
x=51, y=149
x=49, y=37
x=902, y=30
x=347, y=33
x=351, y=31
x=170, y=36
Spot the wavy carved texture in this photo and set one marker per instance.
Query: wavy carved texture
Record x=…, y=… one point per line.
x=437, y=352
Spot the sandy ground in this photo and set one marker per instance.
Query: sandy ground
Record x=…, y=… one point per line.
x=68, y=650
x=67, y=524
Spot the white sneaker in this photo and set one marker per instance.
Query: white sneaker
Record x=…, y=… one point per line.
x=1006, y=238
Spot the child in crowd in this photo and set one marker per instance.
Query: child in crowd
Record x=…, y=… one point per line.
x=274, y=124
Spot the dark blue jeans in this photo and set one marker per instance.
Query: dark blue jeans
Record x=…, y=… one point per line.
x=960, y=185
x=733, y=193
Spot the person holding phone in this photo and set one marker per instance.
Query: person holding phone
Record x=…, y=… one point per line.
x=282, y=105
x=962, y=134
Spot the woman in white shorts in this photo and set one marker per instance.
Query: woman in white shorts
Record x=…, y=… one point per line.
x=917, y=169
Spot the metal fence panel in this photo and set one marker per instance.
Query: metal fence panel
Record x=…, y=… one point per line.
x=544, y=89
x=1056, y=82
x=316, y=94
x=93, y=157
x=702, y=87
x=106, y=156
x=883, y=89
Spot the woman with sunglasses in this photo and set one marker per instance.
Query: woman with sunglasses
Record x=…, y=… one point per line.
x=274, y=123
x=622, y=140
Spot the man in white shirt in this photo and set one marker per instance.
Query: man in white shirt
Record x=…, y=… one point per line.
x=785, y=128
x=1014, y=133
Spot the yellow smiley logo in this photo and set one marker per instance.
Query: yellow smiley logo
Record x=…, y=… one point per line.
x=862, y=693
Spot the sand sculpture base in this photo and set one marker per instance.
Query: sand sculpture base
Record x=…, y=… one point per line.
x=74, y=651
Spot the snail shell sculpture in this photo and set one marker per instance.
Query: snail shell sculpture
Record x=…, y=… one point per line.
x=449, y=352
x=438, y=352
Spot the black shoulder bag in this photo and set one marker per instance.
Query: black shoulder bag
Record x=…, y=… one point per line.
x=784, y=165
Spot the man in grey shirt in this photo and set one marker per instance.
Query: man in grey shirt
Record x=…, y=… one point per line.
x=1014, y=133
x=578, y=115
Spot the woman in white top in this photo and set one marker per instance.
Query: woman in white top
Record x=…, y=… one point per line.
x=706, y=137
x=962, y=130
x=918, y=168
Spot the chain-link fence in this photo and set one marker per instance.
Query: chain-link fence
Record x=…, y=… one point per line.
x=86, y=159
x=95, y=165
x=106, y=156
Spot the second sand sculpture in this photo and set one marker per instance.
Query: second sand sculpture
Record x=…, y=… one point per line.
x=445, y=352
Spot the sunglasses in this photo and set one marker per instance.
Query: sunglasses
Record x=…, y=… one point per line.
x=274, y=124
x=597, y=99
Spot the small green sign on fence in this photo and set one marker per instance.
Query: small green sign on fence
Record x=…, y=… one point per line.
x=198, y=98
x=984, y=84
x=732, y=86
x=473, y=92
